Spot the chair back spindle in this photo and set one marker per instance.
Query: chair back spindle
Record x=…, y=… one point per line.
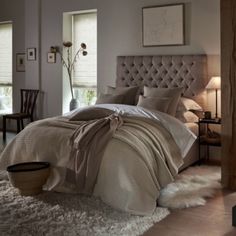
x=28, y=101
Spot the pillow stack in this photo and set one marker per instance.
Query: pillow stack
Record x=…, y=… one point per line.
x=167, y=100
x=162, y=99
x=185, y=110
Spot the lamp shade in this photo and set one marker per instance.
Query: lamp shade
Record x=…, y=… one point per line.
x=214, y=83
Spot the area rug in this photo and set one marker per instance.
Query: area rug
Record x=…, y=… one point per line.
x=191, y=188
x=51, y=214
x=59, y=214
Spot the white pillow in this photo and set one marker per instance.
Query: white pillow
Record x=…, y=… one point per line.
x=173, y=93
x=187, y=104
x=186, y=116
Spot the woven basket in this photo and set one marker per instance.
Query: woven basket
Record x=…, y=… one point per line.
x=29, y=177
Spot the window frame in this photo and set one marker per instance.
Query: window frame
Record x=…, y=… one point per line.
x=7, y=84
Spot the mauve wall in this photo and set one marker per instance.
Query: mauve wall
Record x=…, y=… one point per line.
x=119, y=33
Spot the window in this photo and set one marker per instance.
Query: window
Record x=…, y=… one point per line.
x=84, y=30
x=5, y=67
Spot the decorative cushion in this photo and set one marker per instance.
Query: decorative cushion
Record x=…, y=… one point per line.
x=129, y=93
x=186, y=116
x=160, y=104
x=173, y=93
x=90, y=113
x=109, y=98
x=187, y=104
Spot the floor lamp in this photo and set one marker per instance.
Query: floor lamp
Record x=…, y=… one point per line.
x=215, y=84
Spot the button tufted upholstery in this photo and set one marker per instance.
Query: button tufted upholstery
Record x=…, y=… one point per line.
x=187, y=71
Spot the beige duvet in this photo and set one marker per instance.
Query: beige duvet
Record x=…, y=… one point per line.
x=141, y=158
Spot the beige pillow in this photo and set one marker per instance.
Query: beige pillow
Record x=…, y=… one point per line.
x=110, y=99
x=173, y=93
x=186, y=116
x=91, y=113
x=129, y=93
x=187, y=104
x=160, y=104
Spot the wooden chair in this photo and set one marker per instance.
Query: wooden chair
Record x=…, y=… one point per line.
x=28, y=101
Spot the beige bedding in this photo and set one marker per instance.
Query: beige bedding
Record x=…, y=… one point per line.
x=131, y=172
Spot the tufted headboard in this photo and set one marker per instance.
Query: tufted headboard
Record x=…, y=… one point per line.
x=187, y=71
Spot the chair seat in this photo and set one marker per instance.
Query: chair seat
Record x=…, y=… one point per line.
x=17, y=116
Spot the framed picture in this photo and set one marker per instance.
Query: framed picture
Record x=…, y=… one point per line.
x=51, y=57
x=163, y=25
x=20, y=62
x=31, y=54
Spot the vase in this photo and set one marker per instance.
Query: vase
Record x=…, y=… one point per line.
x=73, y=104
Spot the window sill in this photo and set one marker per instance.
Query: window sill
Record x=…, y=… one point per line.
x=5, y=111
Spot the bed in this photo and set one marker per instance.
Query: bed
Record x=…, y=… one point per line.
x=126, y=178
x=168, y=71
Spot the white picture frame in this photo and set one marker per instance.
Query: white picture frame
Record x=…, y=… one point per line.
x=31, y=54
x=51, y=57
x=163, y=25
x=20, y=62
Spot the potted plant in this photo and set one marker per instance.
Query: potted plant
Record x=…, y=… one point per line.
x=69, y=62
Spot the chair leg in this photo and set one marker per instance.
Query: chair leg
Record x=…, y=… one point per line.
x=22, y=124
x=18, y=125
x=4, y=128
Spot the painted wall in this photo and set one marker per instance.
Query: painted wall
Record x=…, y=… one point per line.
x=119, y=33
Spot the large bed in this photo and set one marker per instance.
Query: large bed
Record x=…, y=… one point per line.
x=135, y=163
x=168, y=71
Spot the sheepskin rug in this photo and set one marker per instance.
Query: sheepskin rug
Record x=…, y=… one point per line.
x=191, y=188
x=51, y=214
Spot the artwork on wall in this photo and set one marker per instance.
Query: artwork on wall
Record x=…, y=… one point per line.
x=51, y=57
x=20, y=62
x=163, y=25
x=31, y=54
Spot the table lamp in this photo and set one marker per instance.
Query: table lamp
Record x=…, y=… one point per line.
x=214, y=83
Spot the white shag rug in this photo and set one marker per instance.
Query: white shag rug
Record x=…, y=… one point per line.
x=191, y=188
x=60, y=214
x=51, y=214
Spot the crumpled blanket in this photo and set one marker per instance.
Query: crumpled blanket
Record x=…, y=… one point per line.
x=89, y=141
x=147, y=137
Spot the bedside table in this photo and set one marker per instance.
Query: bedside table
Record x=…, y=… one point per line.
x=208, y=138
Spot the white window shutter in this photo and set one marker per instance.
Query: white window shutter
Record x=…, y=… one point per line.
x=85, y=31
x=6, y=53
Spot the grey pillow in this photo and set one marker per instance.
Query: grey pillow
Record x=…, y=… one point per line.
x=160, y=104
x=91, y=113
x=110, y=99
x=129, y=93
x=173, y=93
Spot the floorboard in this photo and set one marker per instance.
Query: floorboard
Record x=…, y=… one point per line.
x=213, y=219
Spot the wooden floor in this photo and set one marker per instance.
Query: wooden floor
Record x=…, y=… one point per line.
x=213, y=219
